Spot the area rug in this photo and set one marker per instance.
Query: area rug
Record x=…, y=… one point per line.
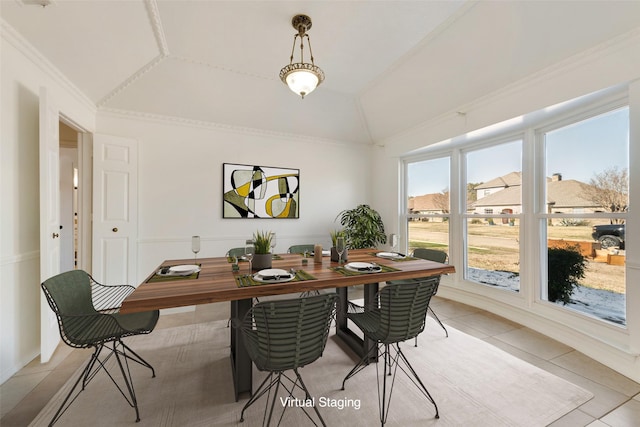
x=473, y=383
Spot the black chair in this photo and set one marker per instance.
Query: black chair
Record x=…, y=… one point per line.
x=88, y=316
x=430, y=255
x=399, y=315
x=286, y=335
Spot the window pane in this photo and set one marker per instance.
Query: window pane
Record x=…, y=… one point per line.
x=588, y=184
x=493, y=252
x=600, y=291
x=428, y=186
x=432, y=233
x=494, y=179
x=494, y=182
x=587, y=165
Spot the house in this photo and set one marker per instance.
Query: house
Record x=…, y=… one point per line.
x=434, y=203
x=178, y=90
x=504, y=195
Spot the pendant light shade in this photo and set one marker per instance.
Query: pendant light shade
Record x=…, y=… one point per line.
x=301, y=77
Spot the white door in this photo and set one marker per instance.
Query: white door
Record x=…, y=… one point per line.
x=115, y=198
x=49, y=217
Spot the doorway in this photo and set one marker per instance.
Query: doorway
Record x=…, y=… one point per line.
x=75, y=193
x=68, y=197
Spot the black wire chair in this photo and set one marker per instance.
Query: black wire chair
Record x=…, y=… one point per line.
x=286, y=335
x=399, y=315
x=430, y=255
x=87, y=314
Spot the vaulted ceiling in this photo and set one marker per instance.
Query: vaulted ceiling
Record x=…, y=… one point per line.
x=389, y=65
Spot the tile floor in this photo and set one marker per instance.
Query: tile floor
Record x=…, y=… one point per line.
x=616, y=401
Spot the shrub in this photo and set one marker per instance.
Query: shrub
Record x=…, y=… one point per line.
x=566, y=266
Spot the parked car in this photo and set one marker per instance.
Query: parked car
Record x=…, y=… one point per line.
x=609, y=235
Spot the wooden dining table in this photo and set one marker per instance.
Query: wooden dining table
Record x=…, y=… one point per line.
x=217, y=282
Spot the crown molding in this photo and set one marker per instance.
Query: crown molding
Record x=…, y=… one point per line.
x=156, y=25
x=163, y=52
x=14, y=38
x=131, y=79
x=202, y=124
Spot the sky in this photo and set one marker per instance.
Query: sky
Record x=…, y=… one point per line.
x=577, y=152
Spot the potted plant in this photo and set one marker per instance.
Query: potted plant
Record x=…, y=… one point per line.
x=363, y=227
x=334, y=253
x=262, y=243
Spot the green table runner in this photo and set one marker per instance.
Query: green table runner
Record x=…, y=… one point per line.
x=159, y=278
x=244, y=280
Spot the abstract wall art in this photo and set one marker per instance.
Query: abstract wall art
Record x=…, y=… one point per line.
x=260, y=192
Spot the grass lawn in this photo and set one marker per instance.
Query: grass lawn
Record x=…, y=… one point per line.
x=497, y=248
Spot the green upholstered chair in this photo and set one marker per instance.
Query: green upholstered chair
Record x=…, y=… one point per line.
x=88, y=317
x=430, y=255
x=235, y=252
x=284, y=335
x=300, y=249
x=238, y=253
x=399, y=315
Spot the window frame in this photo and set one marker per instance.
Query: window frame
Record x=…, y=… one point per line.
x=529, y=128
x=541, y=216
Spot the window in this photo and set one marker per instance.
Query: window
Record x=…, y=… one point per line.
x=586, y=206
x=428, y=204
x=492, y=241
x=524, y=194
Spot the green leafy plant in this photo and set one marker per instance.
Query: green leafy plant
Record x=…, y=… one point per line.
x=334, y=235
x=565, y=267
x=262, y=241
x=363, y=227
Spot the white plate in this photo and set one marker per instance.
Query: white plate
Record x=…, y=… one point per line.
x=184, y=270
x=268, y=276
x=363, y=267
x=389, y=255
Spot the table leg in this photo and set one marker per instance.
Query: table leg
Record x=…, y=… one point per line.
x=357, y=344
x=241, y=366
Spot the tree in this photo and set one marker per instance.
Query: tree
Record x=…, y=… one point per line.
x=609, y=189
x=441, y=200
x=472, y=195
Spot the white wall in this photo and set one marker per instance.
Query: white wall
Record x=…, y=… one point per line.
x=616, y=62
x=20, y=290
x=180, y=185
